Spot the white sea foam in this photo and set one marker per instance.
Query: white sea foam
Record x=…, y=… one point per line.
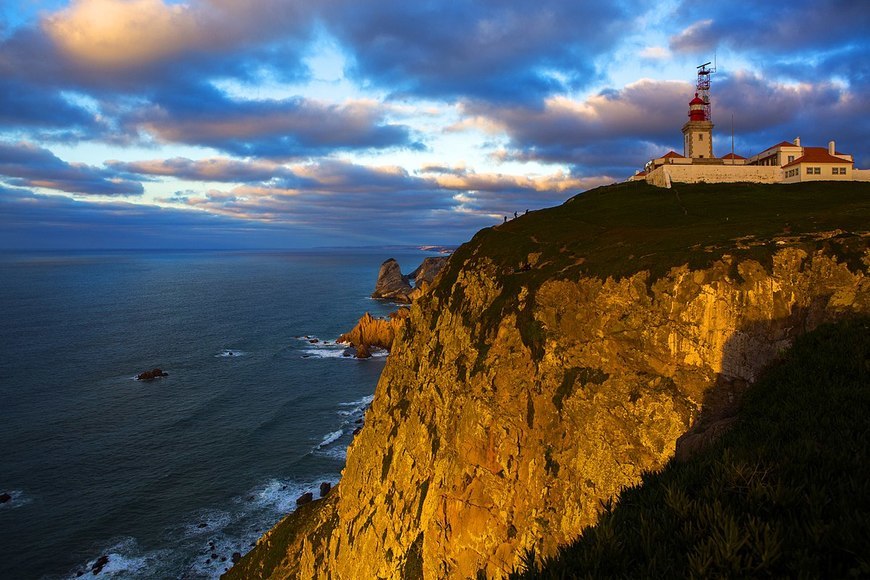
x=206, y=552
x=360, y=403
x=207, y=521
x=330, y=438
x=230, y=353
x=338, y=453
x=326, y=351
x=125, y=560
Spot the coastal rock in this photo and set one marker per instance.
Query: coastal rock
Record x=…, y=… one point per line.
x=425, y=275
x=428, y=269
x=99, y=564
x=324, y=488
x=391, y=283
x=150, y=375
x=305, y=498
x=372, y=332
x=5, y=497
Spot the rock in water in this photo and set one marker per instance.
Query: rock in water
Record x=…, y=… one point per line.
x=305, y=498
x=427, y=271
x=425, y=274
x=325, y=487
x=5, y=497
x=152, y=374
x=391, y=283
x=99, y=564
x=374, y=332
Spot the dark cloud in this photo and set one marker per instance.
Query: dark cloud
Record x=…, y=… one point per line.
x=385, y=201
x=295, y=127
x=608, y=134
x=27, y=107
x=25, y=165
x=30, y=221
x=764, y=30
x=504, y=51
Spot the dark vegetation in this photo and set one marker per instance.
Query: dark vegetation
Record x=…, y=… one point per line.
x=622, y=229
x=784, y=494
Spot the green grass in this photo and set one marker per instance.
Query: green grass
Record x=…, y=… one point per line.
x=622, y=229
x=785, y=494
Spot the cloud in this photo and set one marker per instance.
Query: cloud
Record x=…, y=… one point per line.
x=26, y=165
x=765, y=31
x=655, y=53
x=293, y=127
x=115, y=34
x=696, y=38
x=210, y=169
x=599, y=136
x=505, y=51
x=379, y=202
x=23, y=106
x=112, y=33
x=31, y=221
x=613, y=132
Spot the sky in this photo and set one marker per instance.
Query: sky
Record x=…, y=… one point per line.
x=291, y=123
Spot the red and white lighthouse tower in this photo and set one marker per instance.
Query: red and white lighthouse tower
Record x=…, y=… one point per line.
x=698, y=130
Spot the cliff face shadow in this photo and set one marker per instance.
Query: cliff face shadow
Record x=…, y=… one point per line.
x=785, y=493
x=748, y=352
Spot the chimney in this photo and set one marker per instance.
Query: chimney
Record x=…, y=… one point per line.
x=797, y=141
x=831, y=148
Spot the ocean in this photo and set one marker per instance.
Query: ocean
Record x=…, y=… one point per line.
x=169, y=478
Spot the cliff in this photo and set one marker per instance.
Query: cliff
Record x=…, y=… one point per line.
x=559, y=357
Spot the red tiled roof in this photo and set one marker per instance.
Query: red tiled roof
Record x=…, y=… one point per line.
x=671, y=154
x=817, y=155
x=733, y=156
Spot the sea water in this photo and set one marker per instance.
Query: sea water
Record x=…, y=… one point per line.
x=169, y=478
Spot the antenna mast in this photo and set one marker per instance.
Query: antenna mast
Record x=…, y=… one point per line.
x=703, y=87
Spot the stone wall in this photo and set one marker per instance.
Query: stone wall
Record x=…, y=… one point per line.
x=666, y=174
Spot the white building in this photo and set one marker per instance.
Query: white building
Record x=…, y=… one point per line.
x=782, y=163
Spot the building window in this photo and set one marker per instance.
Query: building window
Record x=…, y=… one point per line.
x=790, y=158
x=835, y=170
x=809, y=170
x=700, y=136
x=817, y=170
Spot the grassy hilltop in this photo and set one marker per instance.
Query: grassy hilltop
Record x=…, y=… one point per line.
x=618, y=230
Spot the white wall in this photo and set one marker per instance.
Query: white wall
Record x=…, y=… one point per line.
x=663, y=176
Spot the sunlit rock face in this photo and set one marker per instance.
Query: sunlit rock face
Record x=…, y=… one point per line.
x=374, y=332
x=490, y=436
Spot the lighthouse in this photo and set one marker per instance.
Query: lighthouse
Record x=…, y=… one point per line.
x=698, y=131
